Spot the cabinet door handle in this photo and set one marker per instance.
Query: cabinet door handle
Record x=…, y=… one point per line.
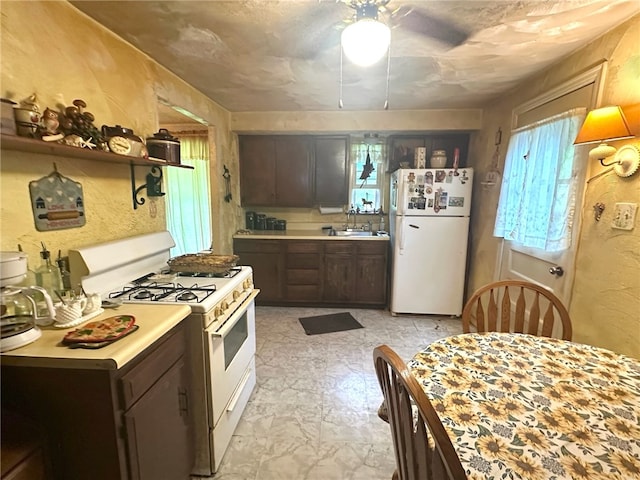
x=183, y=402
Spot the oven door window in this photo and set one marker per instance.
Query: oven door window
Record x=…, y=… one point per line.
x=234, y=339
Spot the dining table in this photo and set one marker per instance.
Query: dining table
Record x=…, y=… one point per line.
x=518, y=406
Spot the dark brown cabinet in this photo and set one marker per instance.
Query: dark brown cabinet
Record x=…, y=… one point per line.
x=331, y=171
x=132, y=423
x=266, y=258
x=276, y=171
x=402, y=148
x=293, y=170
x=339, y=274
x=356, y=272
x=303, y=261
x=371, y=272
x=317, y=272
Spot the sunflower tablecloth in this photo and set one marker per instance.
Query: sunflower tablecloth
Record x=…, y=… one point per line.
x=523, y=407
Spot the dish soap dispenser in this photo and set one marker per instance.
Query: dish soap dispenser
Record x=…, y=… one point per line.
x=48, y=275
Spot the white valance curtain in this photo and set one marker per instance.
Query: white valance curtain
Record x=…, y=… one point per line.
x=538, y=194
x=188, y=198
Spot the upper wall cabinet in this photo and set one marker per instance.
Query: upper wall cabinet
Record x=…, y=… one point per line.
x=276, y=170
x=293, y=170
x=331, y=171
x=402, y=148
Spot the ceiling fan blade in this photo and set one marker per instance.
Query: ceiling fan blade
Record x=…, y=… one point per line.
x=421, y=23
x=317, y=31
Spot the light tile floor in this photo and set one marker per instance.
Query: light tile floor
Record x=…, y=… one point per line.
x=313, y=414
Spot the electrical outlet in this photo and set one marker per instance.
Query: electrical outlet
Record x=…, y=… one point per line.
x=624, y=216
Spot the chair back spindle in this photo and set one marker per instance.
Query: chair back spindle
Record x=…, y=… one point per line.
x=516, y=306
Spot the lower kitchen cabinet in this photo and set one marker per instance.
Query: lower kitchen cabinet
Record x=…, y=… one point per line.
x=340, y=272
x=131, y=423
x=303, y=261
x=317, y=272
x=371, y=272
x=266, y=258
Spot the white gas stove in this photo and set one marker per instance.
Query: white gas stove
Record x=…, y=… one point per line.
x=221, y=327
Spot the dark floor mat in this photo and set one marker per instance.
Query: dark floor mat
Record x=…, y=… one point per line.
x=335, y=322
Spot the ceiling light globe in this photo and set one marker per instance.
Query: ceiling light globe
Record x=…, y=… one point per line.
x=366, y=41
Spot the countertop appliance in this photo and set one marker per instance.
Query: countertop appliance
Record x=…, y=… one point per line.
x=221, y=327
x=19, y=313
x=429, y=227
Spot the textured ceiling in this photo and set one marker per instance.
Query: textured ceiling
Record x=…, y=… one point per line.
x=264, y=55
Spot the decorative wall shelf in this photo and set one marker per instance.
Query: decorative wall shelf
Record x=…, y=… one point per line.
x=23, y=144
x=153, y=179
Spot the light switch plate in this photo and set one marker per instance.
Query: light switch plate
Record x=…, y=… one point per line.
x=624, y=216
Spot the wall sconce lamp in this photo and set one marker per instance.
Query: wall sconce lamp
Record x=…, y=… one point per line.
x=607, y=124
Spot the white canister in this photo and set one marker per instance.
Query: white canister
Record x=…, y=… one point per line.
x=438, y=159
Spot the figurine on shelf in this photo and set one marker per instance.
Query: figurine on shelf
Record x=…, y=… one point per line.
x=74, y=120
x=50, y=124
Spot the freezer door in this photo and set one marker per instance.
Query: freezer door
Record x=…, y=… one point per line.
x=429, y=264
x=432, y=192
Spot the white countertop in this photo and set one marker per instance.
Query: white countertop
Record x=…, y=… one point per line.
x=48, y=351
x=302, y=235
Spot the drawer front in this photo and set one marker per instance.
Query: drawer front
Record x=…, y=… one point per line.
x=143, y=375
x=303, y=277
x=303, y=293
x=303, y=247
x=346, y=247
x=372, y=248
x=303, y=260
x=255, y=246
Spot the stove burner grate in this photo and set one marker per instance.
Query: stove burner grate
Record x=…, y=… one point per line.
x=164, y=292
x=232, y=272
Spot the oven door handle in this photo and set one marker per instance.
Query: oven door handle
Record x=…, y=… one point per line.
x=228, y=325
x=236, y=395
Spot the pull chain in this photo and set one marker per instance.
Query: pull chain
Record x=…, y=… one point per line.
x=386, y=101
x=340, y=105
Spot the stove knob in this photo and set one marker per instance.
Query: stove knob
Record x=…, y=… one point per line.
x=224, y=305
x=246, y=284
x=217, y=312
x=236, y=294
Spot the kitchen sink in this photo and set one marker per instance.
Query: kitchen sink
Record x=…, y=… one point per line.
x=353, y=233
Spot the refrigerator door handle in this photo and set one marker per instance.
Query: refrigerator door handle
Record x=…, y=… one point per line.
x=401, y=239
x=414, y=226
x=402, y=195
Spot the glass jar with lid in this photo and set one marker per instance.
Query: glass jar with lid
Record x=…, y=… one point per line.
x=438, y=159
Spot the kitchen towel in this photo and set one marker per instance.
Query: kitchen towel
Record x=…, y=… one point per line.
x=334, y=322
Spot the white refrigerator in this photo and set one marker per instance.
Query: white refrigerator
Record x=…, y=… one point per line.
x=429, y=227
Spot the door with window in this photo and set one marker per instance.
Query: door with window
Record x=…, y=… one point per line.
x=538, y=202
x=552, y=265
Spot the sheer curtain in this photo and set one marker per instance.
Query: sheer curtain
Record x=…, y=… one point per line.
x=538, y=195
x=188, y=198
x=369, y=190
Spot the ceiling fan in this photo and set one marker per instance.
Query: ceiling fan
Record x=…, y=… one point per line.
x=405, y=16
x=409, y=17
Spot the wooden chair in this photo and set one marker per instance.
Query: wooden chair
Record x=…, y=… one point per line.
x=516, y=306
x=422, y=447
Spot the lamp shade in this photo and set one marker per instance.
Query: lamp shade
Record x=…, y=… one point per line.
x=366, y=41
x=602, y=124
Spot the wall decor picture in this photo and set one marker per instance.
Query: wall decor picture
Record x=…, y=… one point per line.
x=57, y=202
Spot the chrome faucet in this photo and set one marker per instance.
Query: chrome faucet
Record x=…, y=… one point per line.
x=350, y=212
